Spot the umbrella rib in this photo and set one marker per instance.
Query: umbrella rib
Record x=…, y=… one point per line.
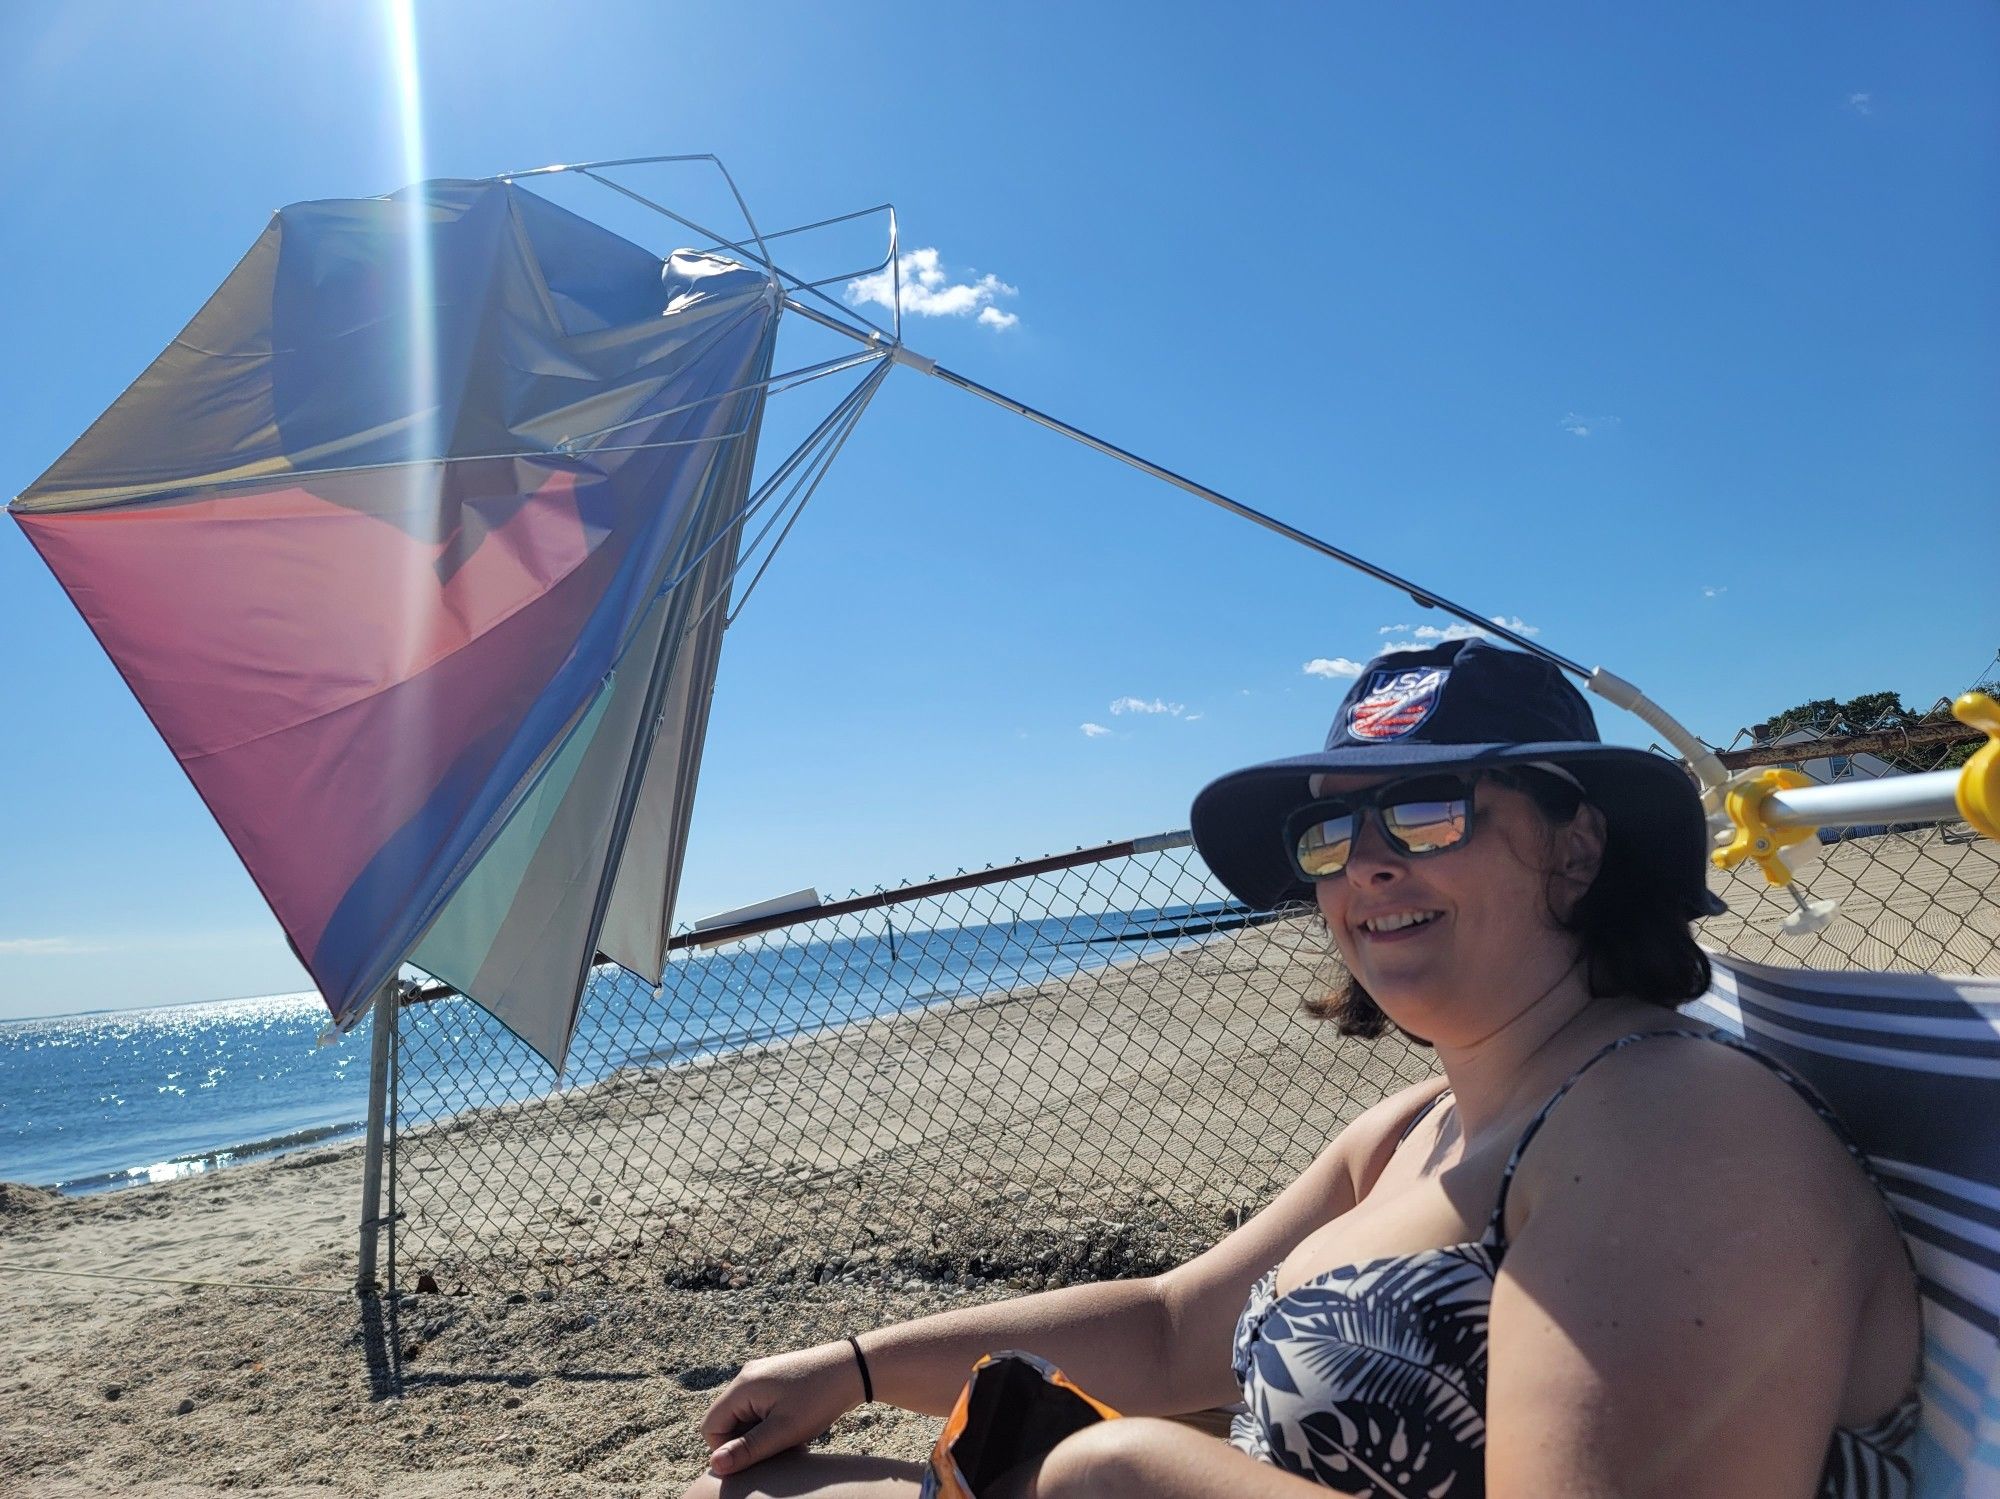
x=764, y=491
x=799, y=283
x=804, y=374
x=866, y=390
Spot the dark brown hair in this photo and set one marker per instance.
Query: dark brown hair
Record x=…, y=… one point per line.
x=1633, y=932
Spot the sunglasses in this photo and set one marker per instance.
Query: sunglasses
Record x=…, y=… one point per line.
x=1421, y=815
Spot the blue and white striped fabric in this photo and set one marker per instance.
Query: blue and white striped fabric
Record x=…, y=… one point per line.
x=1911, y=1063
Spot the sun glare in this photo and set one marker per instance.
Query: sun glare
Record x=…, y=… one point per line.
x=422, y=473
x=419, y=275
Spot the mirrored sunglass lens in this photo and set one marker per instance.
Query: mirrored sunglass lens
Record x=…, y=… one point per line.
x=1324, y=846
x=1424, y=827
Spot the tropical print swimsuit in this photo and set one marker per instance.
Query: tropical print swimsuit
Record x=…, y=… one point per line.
x=1371, y=1378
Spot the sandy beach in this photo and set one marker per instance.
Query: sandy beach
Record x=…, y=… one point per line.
x=547, y=1372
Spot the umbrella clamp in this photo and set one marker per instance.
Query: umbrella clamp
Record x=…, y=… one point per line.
x=1979, y=783
x=1753, y=838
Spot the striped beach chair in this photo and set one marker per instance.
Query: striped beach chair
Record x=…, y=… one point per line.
x=1911, y=1063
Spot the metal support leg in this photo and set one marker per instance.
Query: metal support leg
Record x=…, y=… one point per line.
x=386, y=1006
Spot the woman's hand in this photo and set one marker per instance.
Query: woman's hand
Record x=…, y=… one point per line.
x=775, y=1404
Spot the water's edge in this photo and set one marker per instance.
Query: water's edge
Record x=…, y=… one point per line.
x=972, y=987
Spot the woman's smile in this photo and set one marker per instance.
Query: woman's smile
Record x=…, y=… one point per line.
x=1400, y=925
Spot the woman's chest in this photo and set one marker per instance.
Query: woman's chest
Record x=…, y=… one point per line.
x=1414, y=1206
x=1374, y=1370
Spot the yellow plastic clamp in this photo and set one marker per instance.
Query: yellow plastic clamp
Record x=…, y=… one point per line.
x=1745, y=806
x=1979, y=781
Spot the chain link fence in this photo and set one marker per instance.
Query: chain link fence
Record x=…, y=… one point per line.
x=1910, y=898
x=1074, y=1068
x=1105, y=1055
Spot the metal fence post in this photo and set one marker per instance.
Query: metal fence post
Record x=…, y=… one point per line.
x=387, y=1002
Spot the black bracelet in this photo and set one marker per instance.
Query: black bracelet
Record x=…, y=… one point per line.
x=861, y=1363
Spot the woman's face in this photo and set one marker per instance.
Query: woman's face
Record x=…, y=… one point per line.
x=1484, y=942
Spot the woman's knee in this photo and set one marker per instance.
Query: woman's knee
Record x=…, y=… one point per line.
x=797, y=1475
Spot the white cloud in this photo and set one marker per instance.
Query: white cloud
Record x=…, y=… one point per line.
x=1439, y=634
x=1428, y=635
x=1578, y=425
x=1140, y=705
x=1392, y=629
x=929, y=292
x=1861, y=104
x=1094, y=730
x=46, y=947
x=1713, y=591
x=1196, y=717
x=1332, y=666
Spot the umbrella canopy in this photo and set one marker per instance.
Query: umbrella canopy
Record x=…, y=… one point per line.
x=434, y=646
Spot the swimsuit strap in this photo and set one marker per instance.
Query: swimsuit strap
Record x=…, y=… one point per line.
x=1843, y=1134
x=1423, y=1113
x=1495, y=1236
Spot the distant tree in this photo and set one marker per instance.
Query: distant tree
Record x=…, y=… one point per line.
x=1960, y=753
x=1869, y=712
x=1826, y=715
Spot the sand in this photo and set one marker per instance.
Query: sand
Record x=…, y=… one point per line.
x=545, y=1370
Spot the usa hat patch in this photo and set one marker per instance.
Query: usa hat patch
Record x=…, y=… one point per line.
x=1395, y=703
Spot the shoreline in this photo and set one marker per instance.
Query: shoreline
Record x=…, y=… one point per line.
x=206, y=1162
x=233, y=1155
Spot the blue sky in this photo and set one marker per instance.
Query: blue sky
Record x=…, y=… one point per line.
x=1675, y=335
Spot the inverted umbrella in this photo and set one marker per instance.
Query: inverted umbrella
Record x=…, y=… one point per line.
x=429, y=661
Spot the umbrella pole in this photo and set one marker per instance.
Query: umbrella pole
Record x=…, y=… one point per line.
x=381, y=1044
x=1701, y=759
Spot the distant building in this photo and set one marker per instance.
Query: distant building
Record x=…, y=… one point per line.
x=1827, y=769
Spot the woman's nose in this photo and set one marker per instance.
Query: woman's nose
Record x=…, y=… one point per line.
x=1372, y=858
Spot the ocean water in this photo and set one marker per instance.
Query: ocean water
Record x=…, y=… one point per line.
x=109, y=1099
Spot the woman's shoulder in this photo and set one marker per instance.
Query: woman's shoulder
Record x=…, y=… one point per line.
x=1686, y=1227
x=1681, y=1108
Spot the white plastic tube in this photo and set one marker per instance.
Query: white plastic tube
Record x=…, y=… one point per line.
x=1708, y=770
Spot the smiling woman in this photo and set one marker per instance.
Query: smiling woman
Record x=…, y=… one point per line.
x=1631, y=926
x=1556, y=1270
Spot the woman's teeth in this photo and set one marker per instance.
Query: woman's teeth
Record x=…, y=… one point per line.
x=1397, y=921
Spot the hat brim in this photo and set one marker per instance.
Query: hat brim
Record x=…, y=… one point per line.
x=1648, y=801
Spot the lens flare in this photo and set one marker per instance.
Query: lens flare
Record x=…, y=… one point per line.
x=420, y=282
x=425, y=475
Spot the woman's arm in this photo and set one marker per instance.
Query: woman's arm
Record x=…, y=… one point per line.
x=1677, y=1307
x=1157, y=1346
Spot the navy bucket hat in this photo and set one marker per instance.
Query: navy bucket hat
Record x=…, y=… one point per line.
x=1466, y=705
